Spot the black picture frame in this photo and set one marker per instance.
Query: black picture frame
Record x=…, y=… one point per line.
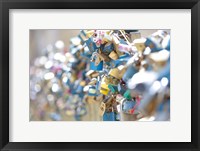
x=5, y=5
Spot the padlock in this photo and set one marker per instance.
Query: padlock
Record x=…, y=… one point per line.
x=93, y=81
x=107, y=48
x=107, y=37
x=104, y=89
x=103, y=56
x=128, y=105
x=91, y=45
x=131, y=70
x=121, y=89
x=113, y=88
x=109, y=116
x=118, y=72
x=113, y=55
x=127, y=95
x=83, y=37
x=88, y=40
x=96, y=57
x=92, y=74
x=92, y=91
x=155, y=41
x=99, y=67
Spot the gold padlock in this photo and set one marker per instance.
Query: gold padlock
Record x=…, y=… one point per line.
x=97, y=60
x=118, y=72
x=92, y=74
x=113, y=55
x=103, y=56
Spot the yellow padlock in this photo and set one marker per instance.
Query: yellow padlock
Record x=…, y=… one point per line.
x=104, y=87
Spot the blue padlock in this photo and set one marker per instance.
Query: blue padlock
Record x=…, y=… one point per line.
x=107, y=49
x=109, y=116
x=129, y=73
x=158, y=41
x=128, y=105
x=121, y=89
x=92, y=91
x=91, y=45
x=82, y=36
x=89, y=42
x=99, y=67
x=153, y=45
